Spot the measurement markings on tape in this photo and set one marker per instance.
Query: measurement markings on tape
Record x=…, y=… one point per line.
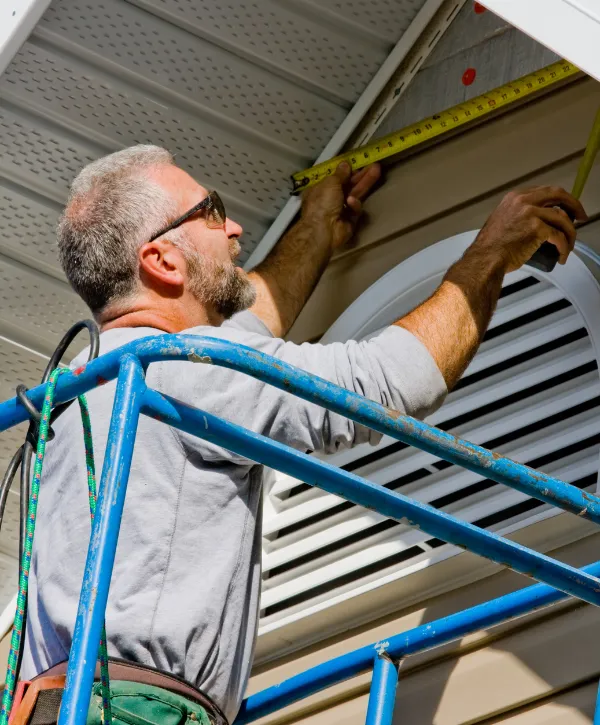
x=439, y=124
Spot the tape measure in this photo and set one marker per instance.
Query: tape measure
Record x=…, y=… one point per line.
x=439, y=124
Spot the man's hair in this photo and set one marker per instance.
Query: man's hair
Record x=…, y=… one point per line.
x=113, y=208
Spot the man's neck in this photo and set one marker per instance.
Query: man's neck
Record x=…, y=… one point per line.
x=169, y=320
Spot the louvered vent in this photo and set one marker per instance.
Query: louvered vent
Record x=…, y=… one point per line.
x=531, y=393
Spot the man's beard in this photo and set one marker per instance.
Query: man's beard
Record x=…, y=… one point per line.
x=220, y=285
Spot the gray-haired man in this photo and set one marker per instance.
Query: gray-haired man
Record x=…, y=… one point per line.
x=185, y=589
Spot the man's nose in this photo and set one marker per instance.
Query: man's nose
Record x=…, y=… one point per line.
x=232, y=228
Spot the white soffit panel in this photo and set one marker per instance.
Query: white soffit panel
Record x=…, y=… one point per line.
x=243, y=92
x=570, y=28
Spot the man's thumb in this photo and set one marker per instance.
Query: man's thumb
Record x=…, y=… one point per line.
x=343, y=171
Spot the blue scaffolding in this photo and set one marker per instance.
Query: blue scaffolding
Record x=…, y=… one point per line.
x=132, y=398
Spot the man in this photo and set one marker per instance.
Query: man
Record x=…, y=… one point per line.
x=186, y=583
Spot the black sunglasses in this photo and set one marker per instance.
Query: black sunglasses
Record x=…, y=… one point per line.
x=213, y=209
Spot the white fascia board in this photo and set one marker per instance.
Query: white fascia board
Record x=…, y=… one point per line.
x=350, y=123
x=571, y=28
x=17, y=19
x=7, y=616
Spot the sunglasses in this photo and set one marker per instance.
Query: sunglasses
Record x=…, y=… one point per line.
x=211, y=206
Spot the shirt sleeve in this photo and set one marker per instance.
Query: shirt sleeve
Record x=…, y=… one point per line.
x=249, y=322
x=392, y=368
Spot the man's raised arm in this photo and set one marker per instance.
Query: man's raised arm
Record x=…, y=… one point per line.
x=286, y=278
x=452, y=322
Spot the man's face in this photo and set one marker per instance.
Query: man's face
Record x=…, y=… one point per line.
x=210, y=254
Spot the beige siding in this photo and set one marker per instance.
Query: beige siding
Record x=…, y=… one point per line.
x=540, y=669
x=548, y=660
x=453, y=187
x=575, y=707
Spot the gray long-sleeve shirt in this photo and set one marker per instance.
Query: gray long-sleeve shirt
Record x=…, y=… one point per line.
x=185, y=589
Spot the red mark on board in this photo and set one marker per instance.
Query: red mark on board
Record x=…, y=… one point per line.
x=478, y=8
x=469, y=76
x=79, y=370
x=101, y=381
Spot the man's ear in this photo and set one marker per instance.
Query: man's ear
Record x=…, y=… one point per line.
x=162, y=264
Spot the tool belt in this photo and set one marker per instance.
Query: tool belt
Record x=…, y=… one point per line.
x=139, y=694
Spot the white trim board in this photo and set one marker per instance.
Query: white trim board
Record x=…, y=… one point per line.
x=570, y=28
x=7, y=616
x=17, y=19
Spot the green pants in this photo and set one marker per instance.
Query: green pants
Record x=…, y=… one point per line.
x=134, y=704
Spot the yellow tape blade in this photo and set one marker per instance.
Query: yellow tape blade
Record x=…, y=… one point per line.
x=439, y=124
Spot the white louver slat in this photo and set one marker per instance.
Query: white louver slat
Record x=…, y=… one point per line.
x=382, y=547
x=524, y=301
x=488, y=390
x=531, y=393
x=426, y=489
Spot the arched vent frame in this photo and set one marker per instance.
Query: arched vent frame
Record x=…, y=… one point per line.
x=318, y=551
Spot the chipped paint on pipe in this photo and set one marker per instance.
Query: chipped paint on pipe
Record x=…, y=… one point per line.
x=382, y=695
x=131, y=358
x=103, y=542
x=370, y=495
x=321, y=392
x=421, y=638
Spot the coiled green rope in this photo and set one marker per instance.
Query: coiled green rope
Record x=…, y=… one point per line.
x=17, y=633
x=91, y=477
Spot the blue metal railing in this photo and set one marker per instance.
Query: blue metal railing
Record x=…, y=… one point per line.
x=132, y=397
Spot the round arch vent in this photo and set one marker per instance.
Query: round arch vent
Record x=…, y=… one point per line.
x=532, y=393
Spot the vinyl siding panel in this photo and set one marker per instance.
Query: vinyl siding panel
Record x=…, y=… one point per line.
x=453, y=187
x=546, y=661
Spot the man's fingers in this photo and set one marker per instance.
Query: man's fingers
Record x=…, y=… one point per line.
x=364, y=180
x=556, y=237
x=357, y=175
x=344, y=172
x=556, y=196
x=354, y=204
x=558, y=218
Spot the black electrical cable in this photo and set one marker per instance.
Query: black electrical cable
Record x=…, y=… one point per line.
x=35, y=416
x=8, y=478
x=24, y=455
x=70, y=335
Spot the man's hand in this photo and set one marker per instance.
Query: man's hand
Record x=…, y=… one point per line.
x=337, y=201
x=452, y=322
x=287, y=277
x=524, y=220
